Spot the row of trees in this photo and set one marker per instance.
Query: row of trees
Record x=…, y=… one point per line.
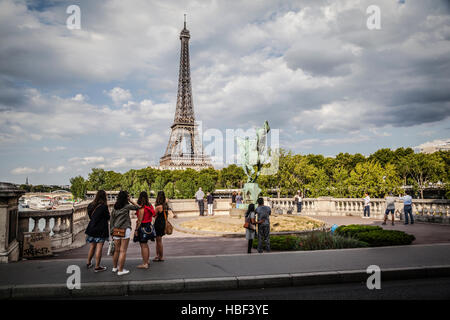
x=41, y=188
x=345, y=175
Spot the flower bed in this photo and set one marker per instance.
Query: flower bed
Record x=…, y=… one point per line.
x=352, y=236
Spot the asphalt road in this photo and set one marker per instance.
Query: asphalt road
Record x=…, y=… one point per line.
x=417, y=289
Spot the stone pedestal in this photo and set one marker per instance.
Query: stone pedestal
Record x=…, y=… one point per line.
x=325, y=207
x=9, y=213
x=251, y=193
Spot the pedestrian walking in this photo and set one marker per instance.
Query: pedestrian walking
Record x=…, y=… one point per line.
x=390, y=208
x=239, y=199
x=299, y=201
x=263, y=214
x=144, y=228
x=121, y=230
x=210, y=202
x=407, y=208
x=233, y=199
x=250, y=226
x=199, y=195
x=366, y=205
x=161, y=209
x=97, y=231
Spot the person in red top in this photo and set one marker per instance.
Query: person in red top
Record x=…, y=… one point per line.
x=144, y=220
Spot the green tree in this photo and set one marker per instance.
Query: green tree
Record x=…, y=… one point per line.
x=231, y=177
x=339, y=182
x=318, y=183
x=159, y=184
x=366, y=177
x=206, y=182
x=96, y=179
x=185, y=189
x=78, y=187
x=382, y=156
x=169, y=190
x=426, y=169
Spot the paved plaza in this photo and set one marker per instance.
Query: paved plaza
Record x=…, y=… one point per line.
x=184, y=244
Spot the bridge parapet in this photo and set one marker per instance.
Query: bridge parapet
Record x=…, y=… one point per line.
x=424, y=210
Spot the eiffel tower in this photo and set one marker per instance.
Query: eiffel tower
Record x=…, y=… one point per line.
x=184, y=149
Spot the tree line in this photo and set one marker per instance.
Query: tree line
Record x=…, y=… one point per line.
x=346, y=175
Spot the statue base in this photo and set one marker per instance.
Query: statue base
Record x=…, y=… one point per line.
x=251, y=192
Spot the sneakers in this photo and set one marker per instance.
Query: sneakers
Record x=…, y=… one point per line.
x=123, y=272
x=114, y=270
x=100, y=269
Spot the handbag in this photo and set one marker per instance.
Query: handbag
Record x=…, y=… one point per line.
x=119, y=232
x=249, y=225
x=169, y=228
x=111, y=248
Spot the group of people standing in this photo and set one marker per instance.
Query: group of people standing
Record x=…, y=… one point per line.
x=199, y=197
x=390, y=207
x=117, y=224
x=257, y=221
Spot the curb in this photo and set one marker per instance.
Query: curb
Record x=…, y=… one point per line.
x=214, y=284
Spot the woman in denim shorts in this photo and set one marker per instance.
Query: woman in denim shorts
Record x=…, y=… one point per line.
x=97, y=231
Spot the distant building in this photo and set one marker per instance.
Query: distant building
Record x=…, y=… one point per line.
x=433, y=146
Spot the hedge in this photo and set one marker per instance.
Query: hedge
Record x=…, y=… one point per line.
x=378, y=238
x=351, y=236
x=352, y=229
x=313, y=241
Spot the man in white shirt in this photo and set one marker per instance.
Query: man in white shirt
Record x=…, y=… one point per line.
x=407, y=208
x=299, y=201
x=366, y=205
x=199, y=195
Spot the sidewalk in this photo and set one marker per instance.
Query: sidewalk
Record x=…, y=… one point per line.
x=47, y=278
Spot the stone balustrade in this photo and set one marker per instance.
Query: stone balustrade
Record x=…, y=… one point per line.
x=190, y=206
x=58, y=223
x=424, y=210
x=62, y=224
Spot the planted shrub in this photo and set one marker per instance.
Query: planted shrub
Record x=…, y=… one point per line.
x=320, y=240
x=281, y=243
x=378, y=238
x=326, y=240
x=352, y=229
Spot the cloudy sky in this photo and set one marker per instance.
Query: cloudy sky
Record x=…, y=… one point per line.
x=104, y=96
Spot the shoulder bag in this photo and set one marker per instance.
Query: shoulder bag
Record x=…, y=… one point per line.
x=248, y=223
x=169, y=228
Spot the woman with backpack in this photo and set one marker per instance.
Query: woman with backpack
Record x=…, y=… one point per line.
x=161, y=209
x=143, y=231
x=97, y=231
x=250, y=226
x=121, y=230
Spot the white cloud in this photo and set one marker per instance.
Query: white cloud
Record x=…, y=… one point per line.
x=119, y=95
x=87, y=160
x=26, y=170
x=79, y=97
x=58, y=169
x=49, y=149
x=438, y=142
